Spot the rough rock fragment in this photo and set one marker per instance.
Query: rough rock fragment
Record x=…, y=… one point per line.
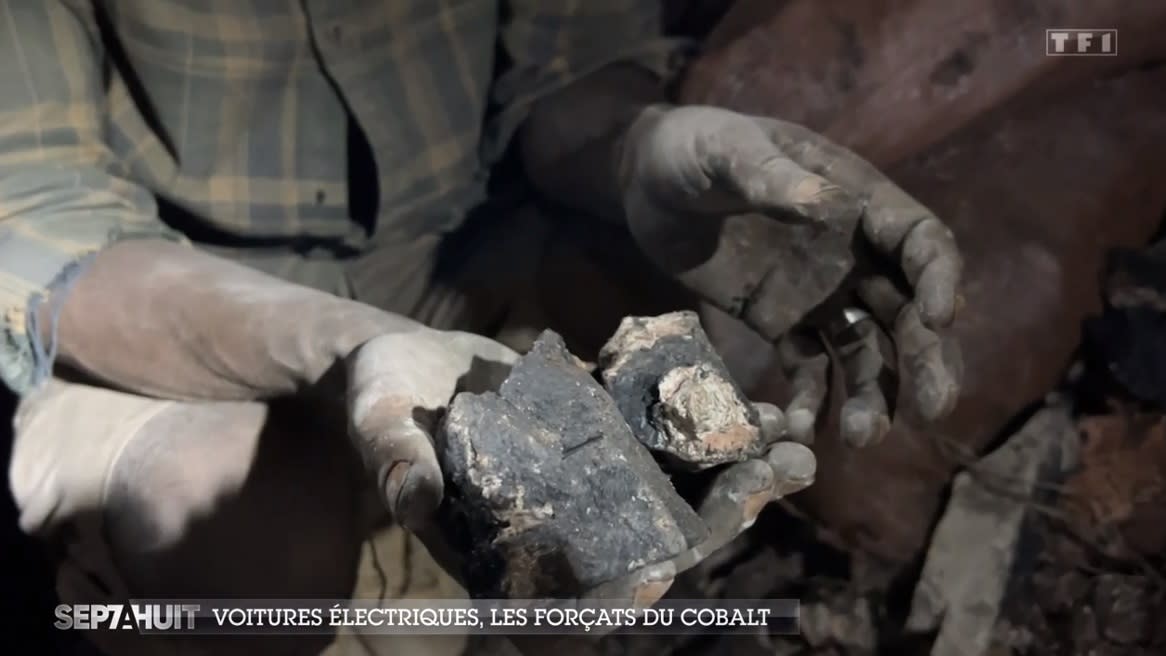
x=976, y=546
x=848, y=623
x=548, y=492
x=1128, y=337
x=1114, y=499
x=676, y=394
x=1124, y=608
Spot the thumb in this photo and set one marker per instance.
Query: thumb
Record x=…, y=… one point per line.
x=393, y=381
x=484, y=363
x=400, y=453
x=398, y=384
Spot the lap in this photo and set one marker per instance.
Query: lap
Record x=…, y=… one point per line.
x=160, y=498
x=165, y=499
x=468, y=280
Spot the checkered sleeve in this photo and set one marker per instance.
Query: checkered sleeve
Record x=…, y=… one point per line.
x=551, y=43
x=59, y=201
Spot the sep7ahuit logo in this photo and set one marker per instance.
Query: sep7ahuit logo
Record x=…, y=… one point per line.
x=1081, y=43
x=144, y=618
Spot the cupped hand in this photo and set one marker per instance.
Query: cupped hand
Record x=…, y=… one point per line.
x=399, y=385
x=702, y=185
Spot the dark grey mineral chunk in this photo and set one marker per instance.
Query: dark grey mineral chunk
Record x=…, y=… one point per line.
x=676, y=393
x=548, y=492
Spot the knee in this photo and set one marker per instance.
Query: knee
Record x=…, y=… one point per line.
x=213, y=500
x=175, y=469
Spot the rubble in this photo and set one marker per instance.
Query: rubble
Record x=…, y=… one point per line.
x=981, y=536
x=1114, y=499
x=676, y=394
x=1130, y=336
x=1079, y=610
x=1123, y=609
x=587, y=504
x=841, y=621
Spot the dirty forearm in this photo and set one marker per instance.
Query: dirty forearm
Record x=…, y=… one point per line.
x=571, y=141
x=170, y=321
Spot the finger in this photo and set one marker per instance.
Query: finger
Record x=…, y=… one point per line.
x=742, y=159
x=482, y=347
x=794, y=467
x=865, y=418
x=884, y=299
x=736, y=496
x=641, y=588
x=868, y=373
x=895, y=223
x=486, y=362
x=806, y=363
x=932, y=264
x=932, y=362
x=771, y=420
x=934, y=365
x=740, y=492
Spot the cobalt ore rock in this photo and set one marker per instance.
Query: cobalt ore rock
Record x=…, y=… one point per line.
x=548, y=492
x=676, y=394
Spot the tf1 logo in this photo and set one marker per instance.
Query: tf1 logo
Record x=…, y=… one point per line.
x=1064, y=42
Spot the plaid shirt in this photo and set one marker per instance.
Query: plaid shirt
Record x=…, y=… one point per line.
x=231, y=117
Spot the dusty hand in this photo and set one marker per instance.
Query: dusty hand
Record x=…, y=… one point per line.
x=684, y=171
x=734, y=497
x=738, y=493
x=398, y=383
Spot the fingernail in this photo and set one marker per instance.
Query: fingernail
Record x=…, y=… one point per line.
x=394, y=485
x=412, y=497
x=856, y=426
x=861, y=426
x=942, y=310
x=771, y=419
x=754, y=504
x=661, y=572
x=800, y=423
x=939, y=309
x=937, y=393
x=653, y=585
x=794, y=467
x=793, y=461
x=935, y=404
